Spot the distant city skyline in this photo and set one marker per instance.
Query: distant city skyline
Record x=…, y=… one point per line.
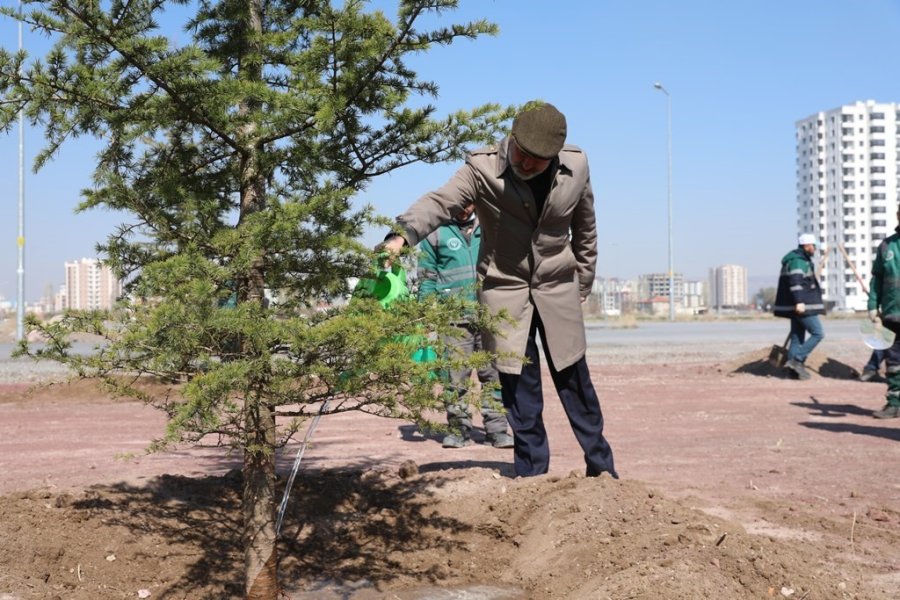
x=740, y=77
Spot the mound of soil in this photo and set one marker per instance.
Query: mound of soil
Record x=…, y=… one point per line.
x=759, y=362
x=375, y=534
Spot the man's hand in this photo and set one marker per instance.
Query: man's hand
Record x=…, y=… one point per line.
x=873, y=315
x=800, y=308
x=391, y=247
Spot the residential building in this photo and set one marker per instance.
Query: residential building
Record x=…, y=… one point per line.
x=653, y=285
x=728, y=287
x=696, y=296
x=615, y=296
x=847, y=191
x=90, y=285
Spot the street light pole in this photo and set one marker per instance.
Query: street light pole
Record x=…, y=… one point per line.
x=20, y=240
x=660, y=87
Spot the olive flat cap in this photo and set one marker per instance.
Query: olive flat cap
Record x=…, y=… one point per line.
x=540, y=130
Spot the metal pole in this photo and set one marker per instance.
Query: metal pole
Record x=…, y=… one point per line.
x=660, y=87
x=20, y=240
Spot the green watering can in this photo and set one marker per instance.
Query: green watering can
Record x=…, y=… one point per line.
x=387, y=286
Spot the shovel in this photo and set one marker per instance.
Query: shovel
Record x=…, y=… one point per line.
x=778, y=354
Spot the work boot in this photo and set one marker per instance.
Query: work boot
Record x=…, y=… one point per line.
x=456, y=440
x=868, y=374
x=499, y=440
x=798, y=368
x=889, y=411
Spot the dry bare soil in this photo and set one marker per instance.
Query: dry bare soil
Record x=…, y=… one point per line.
x=736, y=483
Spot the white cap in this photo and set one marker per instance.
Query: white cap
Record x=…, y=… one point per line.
x=806, y=238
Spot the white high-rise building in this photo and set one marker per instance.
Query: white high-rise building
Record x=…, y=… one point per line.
x=847, y=191
x=728, y=286
x=90, y=285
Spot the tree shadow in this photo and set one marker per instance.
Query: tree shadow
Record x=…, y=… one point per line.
x=340, y=525
x=888, y=433
x=833, y=410
x=351, y=526
x=202, y=514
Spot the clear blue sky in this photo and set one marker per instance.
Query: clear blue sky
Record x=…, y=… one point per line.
x=740, y=73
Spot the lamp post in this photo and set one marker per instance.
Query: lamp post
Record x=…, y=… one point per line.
x=660, y=87
x=20, y=240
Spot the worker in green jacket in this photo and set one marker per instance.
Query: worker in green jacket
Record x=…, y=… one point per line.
x=799, y=298
x=447, y=261
x=884, y=304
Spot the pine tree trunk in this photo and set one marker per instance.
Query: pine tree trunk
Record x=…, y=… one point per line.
x=259, y=502
x=260, y=557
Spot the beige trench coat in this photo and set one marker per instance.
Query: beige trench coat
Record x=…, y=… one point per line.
x=527, y=261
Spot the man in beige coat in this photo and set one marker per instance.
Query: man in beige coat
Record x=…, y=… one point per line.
x=532, y=194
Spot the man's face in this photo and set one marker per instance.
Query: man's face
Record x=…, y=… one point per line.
x=809, y=249
x=464, y=214
x=524, y=165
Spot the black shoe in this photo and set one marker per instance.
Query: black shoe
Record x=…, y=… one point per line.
x=889, y=411
x=868, y=374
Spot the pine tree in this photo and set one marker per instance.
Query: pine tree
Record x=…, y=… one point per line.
x=236, y=156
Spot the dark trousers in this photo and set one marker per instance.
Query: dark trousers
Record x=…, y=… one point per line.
x=523, y=399
x=892, y=365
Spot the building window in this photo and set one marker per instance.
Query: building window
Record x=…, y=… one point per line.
x=876, y=143
x=879, y=223
x=876, y=170
x=877, y=156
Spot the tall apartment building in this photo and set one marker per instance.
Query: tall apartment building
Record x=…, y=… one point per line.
x=90, y=285
x=728, y=287
x=847, y=190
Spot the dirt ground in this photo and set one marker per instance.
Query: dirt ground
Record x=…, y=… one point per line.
x=736, y=483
